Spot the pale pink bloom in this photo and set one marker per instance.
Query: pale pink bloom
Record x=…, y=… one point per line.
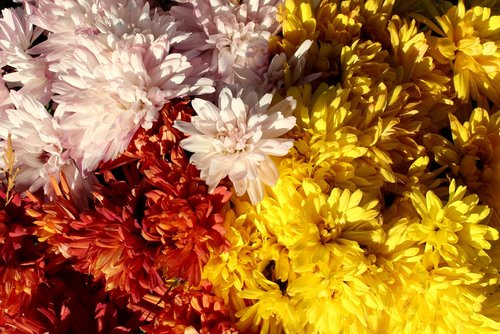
x=237, y=138
x=67, y=19
x=39, y=153
x=16, y=36
x=233, y=37
x=108, y=88
x=5, y=102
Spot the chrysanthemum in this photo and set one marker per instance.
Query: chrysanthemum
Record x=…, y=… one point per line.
x=452, y=232
x=160, y=222
x=109, y=18
x=104, y=241
x=237, y=138
x=341, y=301
x=40, y=154
x=328, y=26
x=68, y=301
x=469, y=42
x=108, y=89
x=232, y=36
x=364, y=67
x=312, y=253
x=474, y=155
x=181, y=218
x=315, y=227
x=437, y=255
x=442, y=296
x=185, y=309
x=429, y=89
x=272, y=310
x=21, y=265
x=333, y=23
x=231, y=271
x=335, y=143
x=17, y=35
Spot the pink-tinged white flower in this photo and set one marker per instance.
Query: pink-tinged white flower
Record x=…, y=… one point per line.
x=108, y=88
x=39, y=153
x=237, y=138
x=5, y=102
x=65, y=20
x=16, y=36
x=232, y=36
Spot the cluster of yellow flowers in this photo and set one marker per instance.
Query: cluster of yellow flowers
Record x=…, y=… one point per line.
x=385, y=217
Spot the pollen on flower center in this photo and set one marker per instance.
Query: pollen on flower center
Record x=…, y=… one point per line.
x=329, y=231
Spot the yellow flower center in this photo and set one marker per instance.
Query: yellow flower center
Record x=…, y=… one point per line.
x=329, y=231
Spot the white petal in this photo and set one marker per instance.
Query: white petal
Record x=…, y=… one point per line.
x=268, y=172
x=205, y=109
x=239, y=171
x=240, y=186
x=197, y=144
x=255, y=191
x=225, y=97
x=276, y=147
x=186, y=127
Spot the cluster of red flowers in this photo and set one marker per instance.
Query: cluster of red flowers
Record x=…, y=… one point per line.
x=130, y=259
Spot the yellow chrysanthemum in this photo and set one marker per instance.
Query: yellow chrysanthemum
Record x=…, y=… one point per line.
x=334, y=23
x=335, y=125
x=272, y=310
x=452, y=232
x=419, y=175
x=363, y=67
x=474, y=155
x=232, y=270
x=326, y=148
x=428, y=88
x=314, y=227
x=338, y=300
x=375, y=15
x=298, y=21
x=323, y=239
x=469, y=43
x=438, y=256
x=439, y=302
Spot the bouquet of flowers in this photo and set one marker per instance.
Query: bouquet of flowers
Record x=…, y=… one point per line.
x=250, y=166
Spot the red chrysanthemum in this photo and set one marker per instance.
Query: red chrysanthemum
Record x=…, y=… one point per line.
x=152, y=214
x=68, y=302
x=180, y=217
x=106, y=241
x=184, y=309
x=21, y=257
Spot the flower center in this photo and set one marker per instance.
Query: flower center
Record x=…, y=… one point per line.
x=44, y=157
x=235, y=139
x=329, y=231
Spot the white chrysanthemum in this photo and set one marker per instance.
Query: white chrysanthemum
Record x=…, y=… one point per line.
x=16, y=36
x=39, y=153
x=5, y=102
x=237, y=138
x=67, y=19
x=232, y=37
x=107, y=88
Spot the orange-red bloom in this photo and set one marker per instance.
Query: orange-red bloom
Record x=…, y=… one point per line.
x=151, y=219
x=183, y=309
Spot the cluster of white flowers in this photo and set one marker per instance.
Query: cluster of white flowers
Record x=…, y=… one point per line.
x=106, y=68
